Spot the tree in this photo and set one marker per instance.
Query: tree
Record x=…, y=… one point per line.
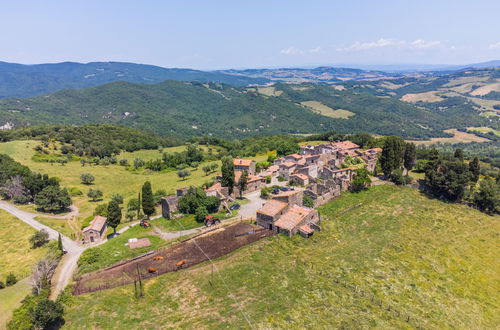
x=114, y=214
x=459, y=154
x=361, y=180
x=214, y=167
x=14, y=188
x=206, y=169
x=42, y=273
x=118, y=198
x=95, y=194
x=10, y=280
x=46, y=314
x=474, y=169
x=410, y=157
x=201, y=213
x=308, y=201
x=39, y=238
x=87, y=178
x=53, y=199
x=183, y=174
x=228, y=173
x=447, y=179
x=487, y=198
x=59, y=243
x=243, y=182
x=148, y=203
x=392, y=154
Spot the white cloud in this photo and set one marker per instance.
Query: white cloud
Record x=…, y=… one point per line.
x=497, y=45
x=291, y=51
x=390, y=43
x=315, y=50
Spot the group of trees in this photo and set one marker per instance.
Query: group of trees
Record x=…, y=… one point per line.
x=191, y=157
x=21, y=185
x=397, y=155
x=9, y=281
x=196, y=202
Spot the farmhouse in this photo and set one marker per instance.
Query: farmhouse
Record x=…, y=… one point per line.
x=170, y=204
x=95, y=231
x=285, y=214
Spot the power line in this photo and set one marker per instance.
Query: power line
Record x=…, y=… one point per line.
x=220, y=276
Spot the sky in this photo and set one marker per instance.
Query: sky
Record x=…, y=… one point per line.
x=214, y=34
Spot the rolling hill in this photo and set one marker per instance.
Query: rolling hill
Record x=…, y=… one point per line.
x=183, y=109
x=18, y=80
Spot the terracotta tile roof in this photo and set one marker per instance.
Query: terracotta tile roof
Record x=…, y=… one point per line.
x=287, y=193
x=252, y=178
x=273, y=168
x=345, y=145
x=301, y=176
x=216, y=186
x=242, y=162
x=272, y=207
x=288, y=164
x=96, y=224
x=306, y=229
x=293, y=217
x=296, y=156
x=141, y=242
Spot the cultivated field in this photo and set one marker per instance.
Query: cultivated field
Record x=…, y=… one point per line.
x=386, y=258
x=458, y=137
x=422, y=97
x=324, y=110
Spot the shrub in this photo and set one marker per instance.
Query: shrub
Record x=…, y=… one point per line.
x=308, y=201
x=123, y=162
x=265, y=192
x=2, y=285
x=281, y=179
x=39, y=238
x=102, y=210
x=201, y=213
x=46, y=314
x=74, y=191
x=10, y=280
x=87, y=178
x=95, y=194
x=268, y=179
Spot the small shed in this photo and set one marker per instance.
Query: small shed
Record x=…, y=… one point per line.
x=95, y=231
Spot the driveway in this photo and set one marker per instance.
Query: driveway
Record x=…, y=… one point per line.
x=248, y=210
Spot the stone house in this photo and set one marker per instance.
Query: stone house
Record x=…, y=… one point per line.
x=300, y=179
x=95, y=231
x=296, y=217
x=370, y=157
x=244, y=165
x=286, y=169
x=270, y=212
x=170, y=204
x=290, y=197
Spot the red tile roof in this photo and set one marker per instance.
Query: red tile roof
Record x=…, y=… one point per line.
x=288, y=164
x=242, y=162
x=96, y=224
x=272, y=207
x=296, y=156
x=306, y=229
x=293, y=217
x=345, y=145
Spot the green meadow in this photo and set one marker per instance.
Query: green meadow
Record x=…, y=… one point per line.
x=388, y=257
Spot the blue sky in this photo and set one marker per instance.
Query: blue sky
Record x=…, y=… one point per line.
x=248, y=34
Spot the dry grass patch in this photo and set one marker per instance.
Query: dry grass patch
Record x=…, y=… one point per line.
x=422, y=97
x=269, y=91
x=458, y=137
x=465, y=80
x=326, y=111
x=483, y=90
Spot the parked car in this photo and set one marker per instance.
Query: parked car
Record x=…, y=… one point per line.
x=276, y=191
x=284, y=188
x=235, y=206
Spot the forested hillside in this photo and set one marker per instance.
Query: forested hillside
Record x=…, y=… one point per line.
x=182, y=109
x=17, y=80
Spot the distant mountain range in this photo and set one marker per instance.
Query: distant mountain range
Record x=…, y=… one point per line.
x=19, y=80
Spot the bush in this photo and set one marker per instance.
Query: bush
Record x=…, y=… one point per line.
x=265, y=192
x=89, y=257
x=308, y=201
x=398, y=178
x=268, y=179
x=281, y=179
x=39, y=238
x=123, y=162
x=46, y=314
x=10, y=280
x=201, y=213
x=101, y=209
x=2, y=285
x=95, y=194
x=74, y=191
x=87, y=178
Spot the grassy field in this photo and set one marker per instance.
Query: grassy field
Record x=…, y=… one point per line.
x=484, y=130
x=384, y=255
x=17, y=255
x=112, y=179
x=423, y=97
x=324, y=110
x=10, y=299
x=458, y=137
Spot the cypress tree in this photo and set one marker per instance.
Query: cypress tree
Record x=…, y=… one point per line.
x=459, y=154
x=242, y=184
x=148, y=202
x=139, y=203
x=392, y=154
x=59, y=243
x=410, y=157
x=475, y=169
x=228, y=173
x=114, y=214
